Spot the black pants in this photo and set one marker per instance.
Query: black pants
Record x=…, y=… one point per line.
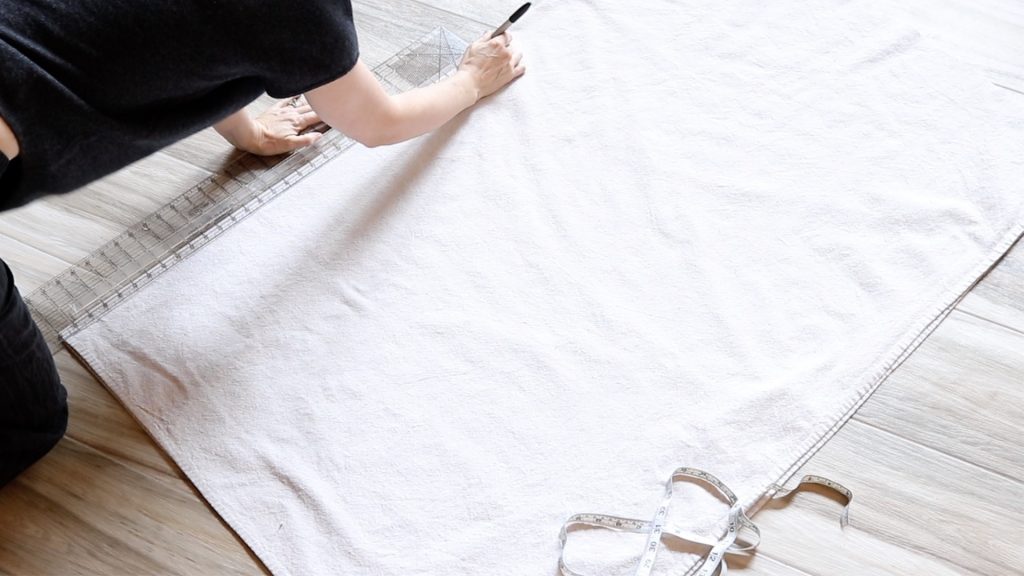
x=33, y=402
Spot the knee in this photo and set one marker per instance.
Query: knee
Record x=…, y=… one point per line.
x=37, y=401
x=53, y=413
x=30, y=387
x=47, y=407
x=31, y=428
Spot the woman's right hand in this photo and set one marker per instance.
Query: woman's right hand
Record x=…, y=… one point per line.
x=492, y=63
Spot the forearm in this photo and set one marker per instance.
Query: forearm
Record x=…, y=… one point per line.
x=357, y=105
x=419, y=111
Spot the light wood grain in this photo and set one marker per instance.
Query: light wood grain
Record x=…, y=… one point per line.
x=80, y=512
x=487, y=12
x=947, y=509
x=960, y=394
x=763, y=565
x=391, y=34
x=933, y=457
x=805, y=534
x=1000, y=296
x=69, y=227
x=30, y=265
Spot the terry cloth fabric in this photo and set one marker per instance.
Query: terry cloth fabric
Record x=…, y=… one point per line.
x=693, y=234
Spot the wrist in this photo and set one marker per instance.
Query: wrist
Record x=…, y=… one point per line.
x=466, y=81
x=241, y=131
x=247, y=137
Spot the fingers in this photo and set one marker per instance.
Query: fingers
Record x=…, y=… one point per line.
x=294, y=102
x=493, y=62
x=300, y=140
x=307, y=119
x=283, y=145
x=299, y=117
x=518, y=68
x=503, y=48
x=503, y=39
x=500, y=41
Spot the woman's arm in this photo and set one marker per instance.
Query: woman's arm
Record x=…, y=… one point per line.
x=357, y=105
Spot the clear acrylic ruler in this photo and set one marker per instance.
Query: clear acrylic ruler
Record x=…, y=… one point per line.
x=118, y=269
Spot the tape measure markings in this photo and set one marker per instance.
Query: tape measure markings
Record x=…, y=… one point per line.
x=656, y=529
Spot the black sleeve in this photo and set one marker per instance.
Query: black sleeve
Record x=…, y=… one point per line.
x=304, y=45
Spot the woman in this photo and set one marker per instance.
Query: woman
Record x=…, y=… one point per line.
x=88, y=87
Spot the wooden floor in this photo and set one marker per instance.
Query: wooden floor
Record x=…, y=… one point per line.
x=934, y=457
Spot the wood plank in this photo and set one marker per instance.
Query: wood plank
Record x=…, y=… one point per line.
x=77, y=511
x=31, y=266
x=803, y=531
x=48, y=226
x=960, y=394
x=761, y=564
x=70, y=226
x=384, y=30
x=137, y=191
x=1000, y=296
x=917, y=511
x=487, y=12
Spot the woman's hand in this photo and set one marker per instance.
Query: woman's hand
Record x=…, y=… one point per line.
x=492, y=63
x=276, y=131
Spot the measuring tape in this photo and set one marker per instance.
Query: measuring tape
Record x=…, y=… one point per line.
x=656, y=529
x=103, y=279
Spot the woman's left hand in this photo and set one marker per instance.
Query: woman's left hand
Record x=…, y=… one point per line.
x=275, y=131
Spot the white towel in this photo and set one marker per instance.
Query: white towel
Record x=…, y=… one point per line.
x=693, y=234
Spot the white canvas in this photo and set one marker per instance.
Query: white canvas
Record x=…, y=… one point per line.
x=694, y=234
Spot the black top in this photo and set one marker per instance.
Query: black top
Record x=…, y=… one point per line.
x=89, y=86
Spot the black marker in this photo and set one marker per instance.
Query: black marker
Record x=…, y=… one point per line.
x=511, y=19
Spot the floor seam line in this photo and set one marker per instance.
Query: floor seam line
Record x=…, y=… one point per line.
x=961, y=459
x=991, y=321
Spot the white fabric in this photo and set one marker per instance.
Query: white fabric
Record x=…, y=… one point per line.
x=694, y=234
